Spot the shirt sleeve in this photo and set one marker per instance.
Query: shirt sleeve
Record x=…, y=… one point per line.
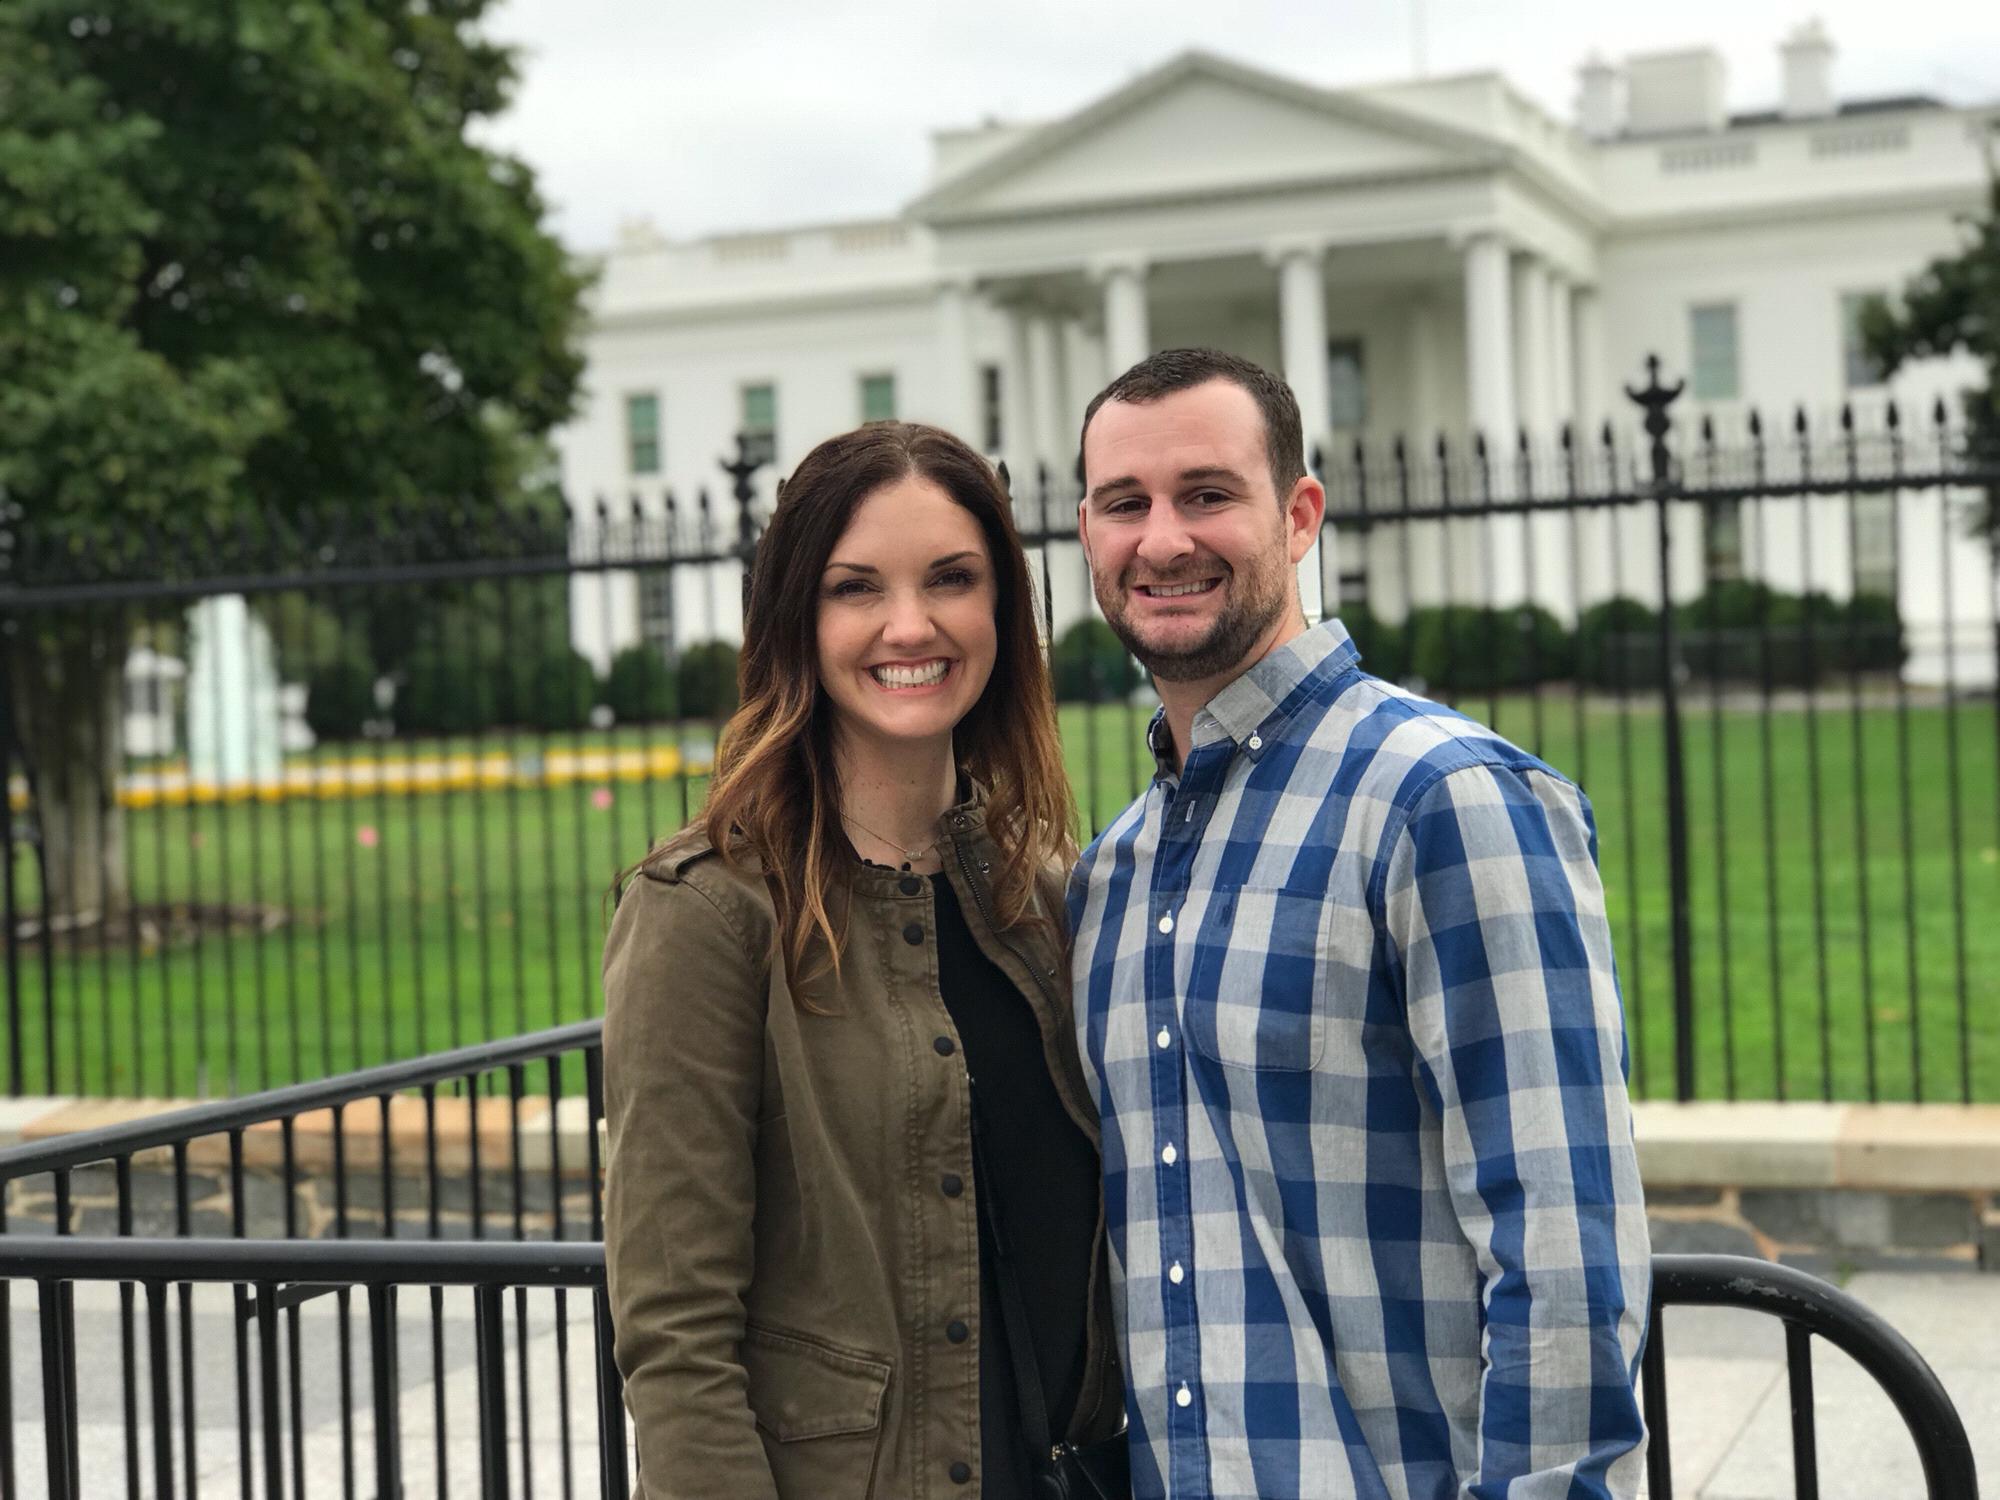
x=1496, y=917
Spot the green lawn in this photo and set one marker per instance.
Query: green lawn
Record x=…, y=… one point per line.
x=423, y=920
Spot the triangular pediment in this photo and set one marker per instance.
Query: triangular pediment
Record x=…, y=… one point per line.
x=1200, y=125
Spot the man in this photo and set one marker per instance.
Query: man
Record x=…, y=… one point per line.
x=1345, y=994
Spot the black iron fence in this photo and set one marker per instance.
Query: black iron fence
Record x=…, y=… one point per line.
x=289, y=1439
x=279, y=1295
x=267, y=1214
x=316, y=794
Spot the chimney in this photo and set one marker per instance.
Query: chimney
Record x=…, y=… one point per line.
x=1600, y=99
x=1672, y=93
x=1808, y=70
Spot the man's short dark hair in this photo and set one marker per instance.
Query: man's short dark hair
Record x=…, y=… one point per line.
x=1160, y=375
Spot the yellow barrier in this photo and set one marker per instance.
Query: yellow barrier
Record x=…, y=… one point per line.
x=362, y=776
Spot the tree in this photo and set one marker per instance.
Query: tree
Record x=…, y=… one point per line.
x=252, y=264
x=1953, y=304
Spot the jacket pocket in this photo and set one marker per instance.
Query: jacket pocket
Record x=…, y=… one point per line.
x=819, y=1409
x=1254, y=986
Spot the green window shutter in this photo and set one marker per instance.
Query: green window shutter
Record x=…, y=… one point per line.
x=1712, y=344
x=642, y=434
x=878, y=398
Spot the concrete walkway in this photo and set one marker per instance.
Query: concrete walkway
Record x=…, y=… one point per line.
x=1727, y=1395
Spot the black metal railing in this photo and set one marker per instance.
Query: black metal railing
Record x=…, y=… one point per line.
x=1766, y=651
x=1809, y=1309
x=290, y=1440
x=291, y=1437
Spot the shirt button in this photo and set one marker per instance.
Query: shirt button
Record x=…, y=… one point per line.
x=913, y=935
x=1256, y=742
x=961, y=1473
x=951, y=1185
x=1167, y=924
x=1184, y=1396
x=909, y=885
x=956, y=1331
x=944, y=1046
x=1165, y=1038
x=1175, y=1274
x=1170, y=1155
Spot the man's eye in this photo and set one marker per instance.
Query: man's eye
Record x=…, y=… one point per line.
x=1209, y=497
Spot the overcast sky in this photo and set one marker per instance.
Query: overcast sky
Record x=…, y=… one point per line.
x=708, y=115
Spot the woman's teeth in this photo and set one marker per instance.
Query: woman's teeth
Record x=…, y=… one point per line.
x=922, y=676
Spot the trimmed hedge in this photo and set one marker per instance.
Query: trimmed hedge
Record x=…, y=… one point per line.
x=708, y=682
x=340, y=697
x=1091, y=665
x=642, y=688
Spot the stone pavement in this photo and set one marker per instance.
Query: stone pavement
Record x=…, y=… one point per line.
x=1726, y=1387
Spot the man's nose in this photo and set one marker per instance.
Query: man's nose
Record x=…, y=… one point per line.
x=1165, y=539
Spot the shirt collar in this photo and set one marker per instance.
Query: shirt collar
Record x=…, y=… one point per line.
x=1250, y=709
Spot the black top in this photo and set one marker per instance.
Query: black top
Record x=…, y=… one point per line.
x=1044, y=1195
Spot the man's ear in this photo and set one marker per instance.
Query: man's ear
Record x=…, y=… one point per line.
x=1304, y=511
x=1083, y=527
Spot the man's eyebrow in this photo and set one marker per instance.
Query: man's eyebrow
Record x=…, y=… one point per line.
x=1207, y=473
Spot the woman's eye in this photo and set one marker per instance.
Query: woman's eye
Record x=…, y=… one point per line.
x=954, y=578
x=847, y=588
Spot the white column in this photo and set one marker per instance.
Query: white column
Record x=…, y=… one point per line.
x=1017, y=420
x=1045, y=392
x=1485, y=556
x=1489, y=338
x=1302, y=341
x=1127, y=339
x=1534, y=394
x=1562, y=349
x=957, y=396
x=1593, y=386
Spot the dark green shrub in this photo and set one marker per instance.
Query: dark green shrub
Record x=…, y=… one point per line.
x=1465, y=648
x=444, y=694
x=340, y=697
x=1091, y=665
x=1618, y=644
x=1383, y=649
x=1871, y=635
x=642, y=688
x=565, y=690
x=708, y=680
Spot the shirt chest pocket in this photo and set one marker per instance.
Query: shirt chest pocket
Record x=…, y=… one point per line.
x=1257, y=980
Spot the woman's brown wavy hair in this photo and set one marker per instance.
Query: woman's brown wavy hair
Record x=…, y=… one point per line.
x=776, y=794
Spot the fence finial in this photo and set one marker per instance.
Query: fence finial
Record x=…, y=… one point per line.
x=1655, y=399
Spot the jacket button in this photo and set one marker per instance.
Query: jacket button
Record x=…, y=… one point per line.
x=961, y=1473
x=909, y=885
x=944, y=1046
x=952, y=1185
x=956, y=1331
x=913, y=935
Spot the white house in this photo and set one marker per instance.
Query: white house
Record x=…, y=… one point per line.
x=1438, y=254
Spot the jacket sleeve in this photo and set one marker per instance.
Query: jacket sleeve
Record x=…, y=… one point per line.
x=683, y=1068
x=1496, y=914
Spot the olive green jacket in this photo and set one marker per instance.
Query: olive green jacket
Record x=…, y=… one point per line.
x=789, y=1217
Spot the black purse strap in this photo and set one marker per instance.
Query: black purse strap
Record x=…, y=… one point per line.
x=1013, y=1309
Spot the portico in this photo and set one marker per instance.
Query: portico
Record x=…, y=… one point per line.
x=1407, y=275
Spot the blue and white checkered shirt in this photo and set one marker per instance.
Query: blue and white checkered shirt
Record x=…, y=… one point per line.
x=1346, y=1001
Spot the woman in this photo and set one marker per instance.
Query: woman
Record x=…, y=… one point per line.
x=804, y=1234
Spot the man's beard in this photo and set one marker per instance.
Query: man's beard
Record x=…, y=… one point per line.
x=1253, y=608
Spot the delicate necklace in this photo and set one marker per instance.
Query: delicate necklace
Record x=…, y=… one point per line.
x=903, y=849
